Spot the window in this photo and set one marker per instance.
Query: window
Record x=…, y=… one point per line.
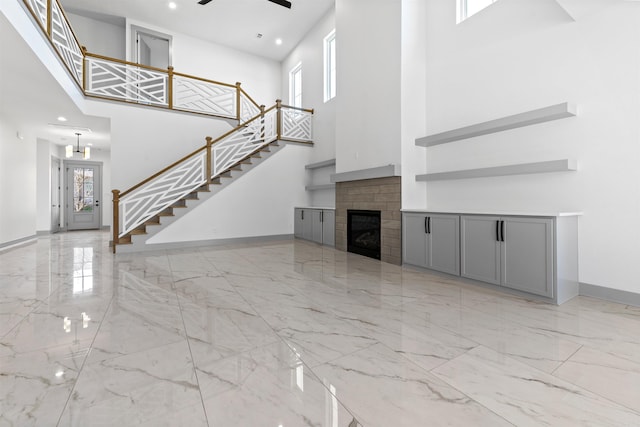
x=330, y=66
x=467, y=8
x=295, y=86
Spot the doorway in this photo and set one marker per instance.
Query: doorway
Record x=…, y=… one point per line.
x=83, y=184
x=151, y=48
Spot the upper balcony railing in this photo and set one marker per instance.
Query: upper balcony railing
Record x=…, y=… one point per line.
x=114, y=79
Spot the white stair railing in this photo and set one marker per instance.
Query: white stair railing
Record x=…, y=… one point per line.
x=126, y=81
x=255, y=134
x=120, y=80
x=66, y=42
x=161, y=192
x=137, y=205
x=297, y=124
x=204, y=96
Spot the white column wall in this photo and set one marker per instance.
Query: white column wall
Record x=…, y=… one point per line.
x=413, y=106
x=368, y=106
x=310, y=52
x=521, y=55
x=17, y=183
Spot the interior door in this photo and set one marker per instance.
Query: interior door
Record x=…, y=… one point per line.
x=152, y=49
x=83, y=191
x=56, y=168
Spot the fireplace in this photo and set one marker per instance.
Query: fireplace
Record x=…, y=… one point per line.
x=363, y=233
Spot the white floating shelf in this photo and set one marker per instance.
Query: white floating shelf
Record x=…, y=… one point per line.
x=564, y=165
x=322, y=164
x=320, y=187
x=546, y=114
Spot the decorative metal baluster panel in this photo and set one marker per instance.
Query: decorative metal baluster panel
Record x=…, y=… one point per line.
x=160, y=193
x=243, y=142
x=126, y=82
x=204, y=97
x=39, y=9
x=248, y=109
x=65, y=42
x=296, y=124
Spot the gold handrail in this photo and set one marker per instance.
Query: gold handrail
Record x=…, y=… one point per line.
x=203, y=79
x=66, y=18
x=249, y=98
x=307, y=110
x=122, y=61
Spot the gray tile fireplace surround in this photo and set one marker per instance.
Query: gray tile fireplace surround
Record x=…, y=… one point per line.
x=378, y=194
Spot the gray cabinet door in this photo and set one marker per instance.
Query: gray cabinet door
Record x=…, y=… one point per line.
x=307, y=224
x=527, y=255
x=329, y=227
x=297, y=222
x=414, y=239
x=480, y=248
x=315, y=215
x=443, y=243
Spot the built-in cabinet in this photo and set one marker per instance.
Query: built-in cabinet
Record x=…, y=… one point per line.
x=515, y=252
x=432, y=241
x=533, y=254
x=315, y=224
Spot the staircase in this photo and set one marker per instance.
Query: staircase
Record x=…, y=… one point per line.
x=153, y=204
x=136, y=239
x=158, y=201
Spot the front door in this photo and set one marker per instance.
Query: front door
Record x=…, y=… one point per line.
x=83, y=188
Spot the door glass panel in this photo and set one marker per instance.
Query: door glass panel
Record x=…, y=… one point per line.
x=83, y=190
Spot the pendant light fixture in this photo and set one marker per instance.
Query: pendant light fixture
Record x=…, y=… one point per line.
x=86, y=152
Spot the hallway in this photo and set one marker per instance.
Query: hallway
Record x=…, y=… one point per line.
x=288, y=334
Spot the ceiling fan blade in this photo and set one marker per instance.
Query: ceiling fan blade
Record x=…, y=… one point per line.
x=203, y=2
x=284, y=3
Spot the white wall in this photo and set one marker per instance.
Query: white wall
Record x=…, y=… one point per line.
x=99, y=37
x=260, y=77
x=43, y=184
x=146, y=140
x=259, y=203
x=368, y=105
x=413, y=106
x=309, y=52
x=17, y=183
x=519, y=55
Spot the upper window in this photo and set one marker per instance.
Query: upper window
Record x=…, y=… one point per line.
x=330, y=66
x=467, y=8
x=295, y=86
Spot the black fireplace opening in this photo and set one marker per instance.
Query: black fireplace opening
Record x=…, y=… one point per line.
x=363, y=233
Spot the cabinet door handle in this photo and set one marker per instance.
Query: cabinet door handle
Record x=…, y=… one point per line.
x=502, y=230
x=302, y=215
x=321, y=216
x=426, y=225
x=498, y=230
x=429, y=223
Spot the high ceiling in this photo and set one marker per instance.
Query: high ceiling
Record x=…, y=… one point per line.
x=35, y=110
x=233, y=23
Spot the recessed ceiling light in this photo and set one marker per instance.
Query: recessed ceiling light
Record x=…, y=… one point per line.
x=62, y=119
x=172, y=5
x=278, y=42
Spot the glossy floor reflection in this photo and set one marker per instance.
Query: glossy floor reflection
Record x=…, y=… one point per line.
x=288, y=334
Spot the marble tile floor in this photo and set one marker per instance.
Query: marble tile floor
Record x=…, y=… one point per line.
x=292, y=334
